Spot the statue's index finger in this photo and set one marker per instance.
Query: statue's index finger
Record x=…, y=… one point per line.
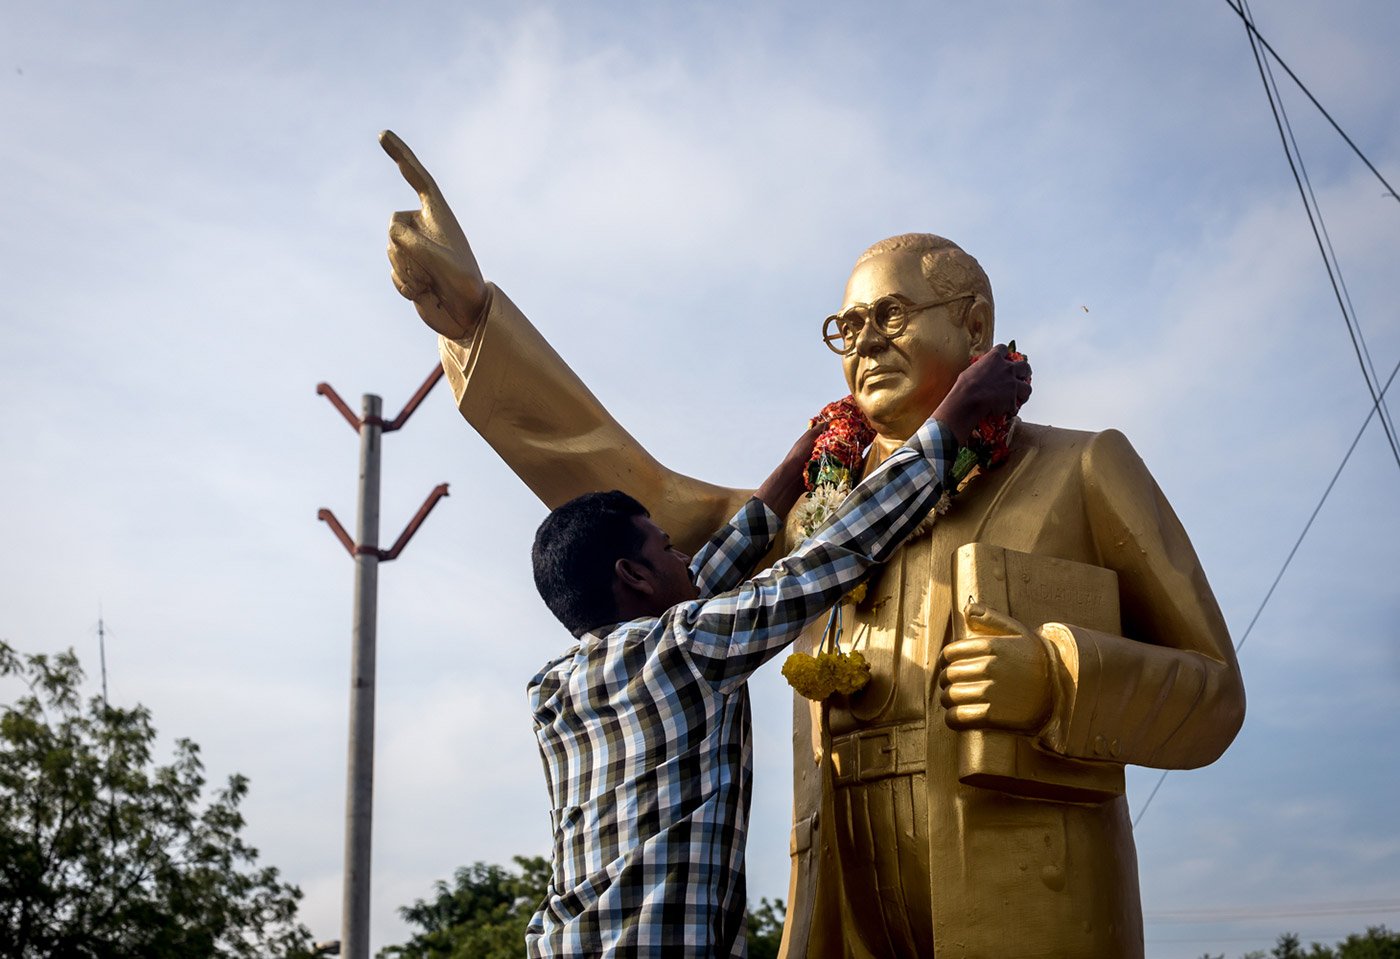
x=413, y=171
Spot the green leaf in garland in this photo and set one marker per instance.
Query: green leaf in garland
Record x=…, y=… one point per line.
x=964, y=463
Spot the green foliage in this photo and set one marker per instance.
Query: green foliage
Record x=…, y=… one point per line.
x=104, y=853
x=1377, y=942
x=766, y=928
x=482, y=915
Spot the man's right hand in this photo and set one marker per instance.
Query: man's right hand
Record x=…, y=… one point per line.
x=992, y=386
x=787, y=482
x=432, y=262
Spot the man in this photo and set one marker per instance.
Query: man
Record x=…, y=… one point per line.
x=644, y=723
x=893, y=855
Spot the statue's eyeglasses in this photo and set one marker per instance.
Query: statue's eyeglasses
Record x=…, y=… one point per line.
x=889, y=313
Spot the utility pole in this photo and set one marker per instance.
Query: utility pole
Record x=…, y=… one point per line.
x=102, y=651
x=364, y=549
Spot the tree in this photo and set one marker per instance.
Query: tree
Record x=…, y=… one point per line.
x=1377, y=942
x=484, y=912
x=766, y=928
x=482, y=915
x=104, y=853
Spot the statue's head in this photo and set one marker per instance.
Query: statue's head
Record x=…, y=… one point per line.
x=917, y=309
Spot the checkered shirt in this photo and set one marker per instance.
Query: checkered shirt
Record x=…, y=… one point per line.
x=644, y=726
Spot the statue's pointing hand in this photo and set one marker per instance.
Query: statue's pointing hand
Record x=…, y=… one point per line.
x=998, y=677
x=432, y=262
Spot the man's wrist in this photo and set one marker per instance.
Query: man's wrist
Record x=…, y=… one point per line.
x=937, y=443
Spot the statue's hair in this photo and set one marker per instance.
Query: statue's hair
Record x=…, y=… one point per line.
x=947, y=267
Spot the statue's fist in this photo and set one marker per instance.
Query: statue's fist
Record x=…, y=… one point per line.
x=431, y=261
x=998, y=678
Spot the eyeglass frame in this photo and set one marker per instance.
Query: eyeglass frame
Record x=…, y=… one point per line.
x=864, y=310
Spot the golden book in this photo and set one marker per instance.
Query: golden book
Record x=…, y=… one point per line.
x=1034, y=590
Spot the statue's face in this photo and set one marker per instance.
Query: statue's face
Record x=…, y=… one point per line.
x=899, y=381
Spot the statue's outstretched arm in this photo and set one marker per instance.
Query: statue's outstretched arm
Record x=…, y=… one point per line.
x=541, y=419
x=515, y=390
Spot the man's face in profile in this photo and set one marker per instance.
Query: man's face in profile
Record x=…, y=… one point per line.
x=899, y=380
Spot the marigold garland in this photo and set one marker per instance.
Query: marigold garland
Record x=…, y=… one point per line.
x=837, y=455
x=817, y=677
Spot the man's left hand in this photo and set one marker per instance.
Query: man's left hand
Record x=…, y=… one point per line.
x=998, y=678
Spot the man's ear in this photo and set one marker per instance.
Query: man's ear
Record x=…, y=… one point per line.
x=634, y=576
x=979, y=327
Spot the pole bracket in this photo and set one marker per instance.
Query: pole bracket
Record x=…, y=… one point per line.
x=387, y=426
x=392, y=553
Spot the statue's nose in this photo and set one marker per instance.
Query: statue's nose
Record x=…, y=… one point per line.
x=870, y=340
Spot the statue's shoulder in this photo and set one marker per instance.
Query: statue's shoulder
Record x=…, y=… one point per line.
x=1091, y=451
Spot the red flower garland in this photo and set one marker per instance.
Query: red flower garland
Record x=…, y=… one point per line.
x=842, y=445
x=990, y=442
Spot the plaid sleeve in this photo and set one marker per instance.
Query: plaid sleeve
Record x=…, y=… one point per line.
x=732, y=552
x=731, y=635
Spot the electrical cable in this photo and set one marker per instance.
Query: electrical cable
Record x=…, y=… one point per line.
x=1363, y=355
x=1357, y=907
x=1312, y=222
x=1329, y=255
x=1239, y=11
x=1289, y=559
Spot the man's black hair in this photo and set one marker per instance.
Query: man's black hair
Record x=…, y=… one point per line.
x=576, y=548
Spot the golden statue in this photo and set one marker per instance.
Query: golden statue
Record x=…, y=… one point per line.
x=968, y=802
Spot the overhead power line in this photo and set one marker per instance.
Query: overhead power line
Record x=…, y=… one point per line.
x=1287, y=560
x=1315, y=221
x=1363, y=356
x=1254, y=33
x=1356, y=907
x=1329, y=254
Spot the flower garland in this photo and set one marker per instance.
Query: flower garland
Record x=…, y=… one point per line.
x=836, y=456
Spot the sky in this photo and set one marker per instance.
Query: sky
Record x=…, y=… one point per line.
x=196, y=213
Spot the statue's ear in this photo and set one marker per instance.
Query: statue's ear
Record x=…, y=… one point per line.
x=979, y=326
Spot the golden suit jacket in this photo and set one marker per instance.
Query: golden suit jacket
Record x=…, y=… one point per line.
x=1012, y=877
x=1016, y=877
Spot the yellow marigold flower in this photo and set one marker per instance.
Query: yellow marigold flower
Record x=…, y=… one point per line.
x=852, y=672
x=817, y=677
x=805, y=675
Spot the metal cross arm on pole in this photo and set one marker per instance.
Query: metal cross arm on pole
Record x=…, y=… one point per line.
x=392, y=553
x=328, y=391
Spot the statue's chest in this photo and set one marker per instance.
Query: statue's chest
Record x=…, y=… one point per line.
x=899, y=627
